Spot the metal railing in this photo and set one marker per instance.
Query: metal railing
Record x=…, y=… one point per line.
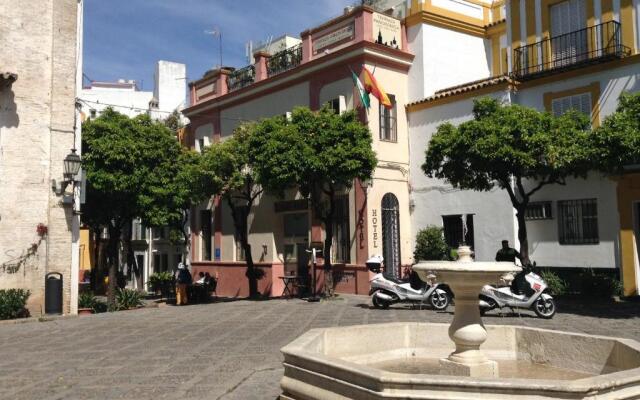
x=284, y=60
x=241, y=77
x=590, y=45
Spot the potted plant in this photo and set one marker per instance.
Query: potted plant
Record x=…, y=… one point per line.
x=86, y=303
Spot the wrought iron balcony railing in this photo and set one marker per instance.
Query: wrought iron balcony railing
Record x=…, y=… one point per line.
x=284, y=60
x=586, y=46
x=241, y=77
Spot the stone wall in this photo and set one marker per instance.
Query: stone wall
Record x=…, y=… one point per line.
x=37, y=119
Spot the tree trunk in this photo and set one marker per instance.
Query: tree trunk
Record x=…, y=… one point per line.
x=326, y=254
x=240, y=216
x=187, y=237
x=522, y=235
x=112, y=260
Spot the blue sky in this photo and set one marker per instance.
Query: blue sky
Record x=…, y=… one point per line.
x=125, y=38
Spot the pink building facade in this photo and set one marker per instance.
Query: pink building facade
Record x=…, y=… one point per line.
x=374, y=217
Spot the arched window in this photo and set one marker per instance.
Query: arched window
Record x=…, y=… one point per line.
x=391, y=234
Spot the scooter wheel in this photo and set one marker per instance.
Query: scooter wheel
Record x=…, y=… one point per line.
x=544, y=308
x=377, y=303
x=439, y=300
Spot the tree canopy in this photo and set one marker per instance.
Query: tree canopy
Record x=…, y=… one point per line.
x=616, y=143
x=319, y=153
x=133, y=168
x=516, y=148
x=230, y=163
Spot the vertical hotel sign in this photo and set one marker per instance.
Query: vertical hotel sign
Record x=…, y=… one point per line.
x=387, y=31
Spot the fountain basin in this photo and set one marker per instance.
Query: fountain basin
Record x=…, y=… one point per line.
x=400, y=361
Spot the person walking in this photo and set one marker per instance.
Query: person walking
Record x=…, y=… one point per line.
x=183, y=280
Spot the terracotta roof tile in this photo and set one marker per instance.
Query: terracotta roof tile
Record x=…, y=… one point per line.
x=466, y=87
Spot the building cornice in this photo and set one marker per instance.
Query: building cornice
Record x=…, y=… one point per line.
x=365, y=51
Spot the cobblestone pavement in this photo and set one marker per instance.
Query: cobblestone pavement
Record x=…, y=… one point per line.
x=223, y=350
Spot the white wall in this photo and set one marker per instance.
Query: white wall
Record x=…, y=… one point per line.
x=543, y=235
x=445, y=58
x=170, y=85
x=433, y=198
x=125, y=101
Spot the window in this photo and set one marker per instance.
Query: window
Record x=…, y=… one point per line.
x=579, y=102
x=388, y=119
x=139, y=230
x=341, y=247
x=165, y=262
x=156, y=262
x=201, y=144
x=453, y=230
x=567, y=17
x=578, y=221
x=338, y=105
x=160, y=233
x=205, y=232
x=92, y=113
x=538, y=210
x=296, y=225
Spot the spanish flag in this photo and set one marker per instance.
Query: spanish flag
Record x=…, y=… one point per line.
x=372, y=86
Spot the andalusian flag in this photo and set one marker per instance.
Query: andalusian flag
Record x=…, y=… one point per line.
x=372, y=86
x=364, y=96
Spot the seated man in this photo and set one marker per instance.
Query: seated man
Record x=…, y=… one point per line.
x=201, y=278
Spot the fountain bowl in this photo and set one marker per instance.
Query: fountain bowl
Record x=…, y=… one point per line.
x=400, y=361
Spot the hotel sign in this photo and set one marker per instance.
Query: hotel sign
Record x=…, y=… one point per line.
x=344, y=33
x=386, y=31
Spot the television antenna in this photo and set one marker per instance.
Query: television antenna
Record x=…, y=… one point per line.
x=216, y=31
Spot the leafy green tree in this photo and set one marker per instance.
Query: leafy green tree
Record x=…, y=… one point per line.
x=130, y=164
x=319, y=153
x=430, y=244
x=230, y=164
x=616, y=143
x=192, y=184
x=516, y=148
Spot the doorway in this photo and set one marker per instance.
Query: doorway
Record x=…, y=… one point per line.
x=391, y=234
x=296, y=243
x=636, y=243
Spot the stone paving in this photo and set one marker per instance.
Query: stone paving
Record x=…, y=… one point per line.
x=224, y=350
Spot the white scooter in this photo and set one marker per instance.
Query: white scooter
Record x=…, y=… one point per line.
x=386, y=290
x=533, y=297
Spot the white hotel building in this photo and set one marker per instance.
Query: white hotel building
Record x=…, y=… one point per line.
x=547, y=54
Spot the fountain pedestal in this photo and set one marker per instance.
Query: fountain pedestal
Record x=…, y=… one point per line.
x=466, y=278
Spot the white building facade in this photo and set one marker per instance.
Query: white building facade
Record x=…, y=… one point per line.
x=545, y=54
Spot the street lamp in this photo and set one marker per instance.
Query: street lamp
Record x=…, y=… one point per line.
x=70, y=168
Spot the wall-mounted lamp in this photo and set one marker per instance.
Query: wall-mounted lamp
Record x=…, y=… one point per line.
x=71, y=166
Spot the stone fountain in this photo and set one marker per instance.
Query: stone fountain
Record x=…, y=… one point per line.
x=419, y=360
x=466, y=278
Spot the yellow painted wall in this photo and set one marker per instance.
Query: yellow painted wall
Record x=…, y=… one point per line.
x=85, y=249
x=628, y=193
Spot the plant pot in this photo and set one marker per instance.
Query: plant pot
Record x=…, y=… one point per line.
x=85, y=311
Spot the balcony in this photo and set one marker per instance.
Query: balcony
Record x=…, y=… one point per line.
x=590, y=45
x=241, y=77
x=284, y=60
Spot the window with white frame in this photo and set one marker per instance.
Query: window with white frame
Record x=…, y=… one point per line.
x=388, y=120
x=578, y=221
x=338, y=105
x=138, y=230
x=538, y=210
